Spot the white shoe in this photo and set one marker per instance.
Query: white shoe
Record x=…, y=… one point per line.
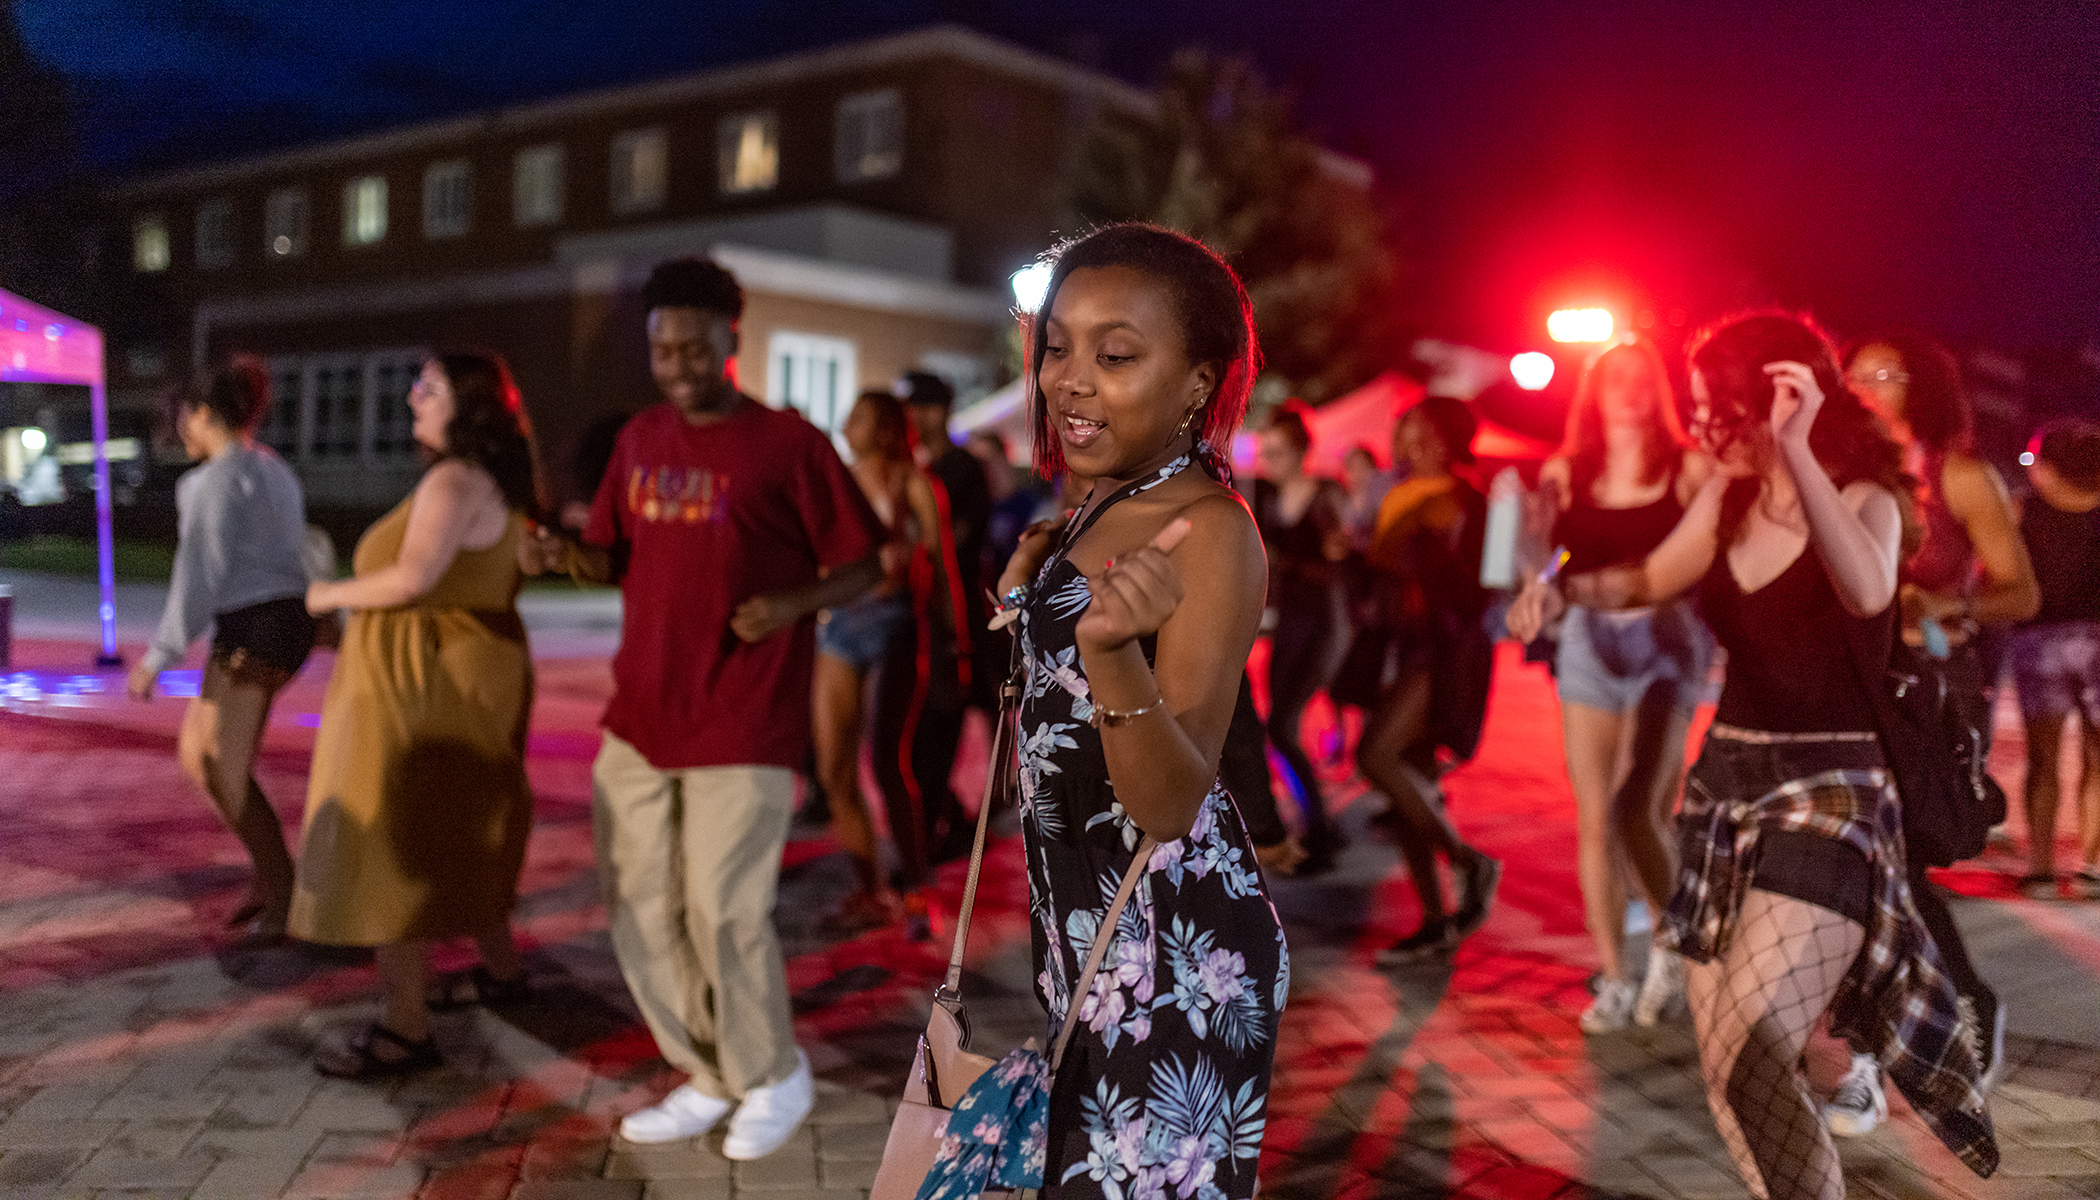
x=1859, y=1105
x=1661, y=990
x=1612, y=1008
x=769, y=1115
x=687, y=1112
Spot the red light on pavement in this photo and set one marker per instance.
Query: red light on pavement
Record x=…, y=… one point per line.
x=1532, y=370
x=1580, y=325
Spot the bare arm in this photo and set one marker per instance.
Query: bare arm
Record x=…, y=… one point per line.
x=1162, y=764
x=761, y=616
x=1859, y=538
x=451, y=499
x=2008, y=592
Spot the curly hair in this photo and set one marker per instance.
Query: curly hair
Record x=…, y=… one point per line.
x=236, y=393
x=1453, y=422
x=693, y=283
x=1662, y=442
x=1935, y=406
x=488, y=426
x=1216, y=318
x=1849, y=441
x=2071, y=448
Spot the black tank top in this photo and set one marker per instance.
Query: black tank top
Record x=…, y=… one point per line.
x=2065, y=547
x=1299, y=572
x=1790, y=664
x=1615, y=537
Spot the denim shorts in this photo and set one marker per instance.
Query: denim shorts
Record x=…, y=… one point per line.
x=859, y=633
x=2056, y=667
x=1619, y=661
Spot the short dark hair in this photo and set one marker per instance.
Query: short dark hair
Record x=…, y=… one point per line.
x=488, y=426
x=693, y=283
x=1934, y=405
x=1454, y=423
x=1217, y=324
x=237, y=393
x=929, y=389
x=1288, y=421
x=892, y=426
x=2071, y=447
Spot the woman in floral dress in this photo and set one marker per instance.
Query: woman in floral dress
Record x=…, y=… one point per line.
x=1143, y=352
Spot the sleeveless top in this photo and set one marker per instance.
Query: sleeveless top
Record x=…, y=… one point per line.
x=2065, y=547
x=1790, y=667
x=1598, y=537
x=1300, y=574
x=1946, y=560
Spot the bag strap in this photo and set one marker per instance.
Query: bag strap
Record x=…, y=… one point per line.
x=949, y=993
x=1103, y=935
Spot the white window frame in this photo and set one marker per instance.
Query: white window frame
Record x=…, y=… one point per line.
x=364, y=210
x=537, y=180
x=448, y=198
x=151, y=250
x=747, y=152
x=816, y=374
x=867, y=136
x=286, y=217
x=637, y=186
x=216, y=236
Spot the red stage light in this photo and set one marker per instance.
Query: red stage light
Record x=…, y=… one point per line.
x=1532, y=370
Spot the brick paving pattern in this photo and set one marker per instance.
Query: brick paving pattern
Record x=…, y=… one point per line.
x=141, y=1056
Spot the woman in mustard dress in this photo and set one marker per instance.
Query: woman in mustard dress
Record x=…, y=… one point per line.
x=417, y=810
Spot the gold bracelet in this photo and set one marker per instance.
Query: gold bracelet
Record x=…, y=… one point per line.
x=1109, y=718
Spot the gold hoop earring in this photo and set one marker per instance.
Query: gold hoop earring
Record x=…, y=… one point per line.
x=1186, y=417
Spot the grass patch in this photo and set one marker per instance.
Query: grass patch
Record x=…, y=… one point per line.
x=64, y=554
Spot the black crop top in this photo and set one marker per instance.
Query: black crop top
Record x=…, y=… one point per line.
x=1615, y=537
x=2065, y=550
x=1790, y=663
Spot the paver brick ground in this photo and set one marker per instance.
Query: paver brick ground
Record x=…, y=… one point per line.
x=141, y=1051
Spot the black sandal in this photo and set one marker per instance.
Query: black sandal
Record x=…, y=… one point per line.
x=359, y=1058
x=475, y=986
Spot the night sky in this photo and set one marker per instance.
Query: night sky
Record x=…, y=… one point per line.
x=1924, y=163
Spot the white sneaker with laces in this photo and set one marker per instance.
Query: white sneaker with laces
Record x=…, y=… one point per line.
x=1661, y=990
x=1612, y=1008
x=769, y=1115
x=1859, y=1106
x=687, y=1112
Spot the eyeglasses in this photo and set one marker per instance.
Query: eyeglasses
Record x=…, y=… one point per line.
x=1874, y=378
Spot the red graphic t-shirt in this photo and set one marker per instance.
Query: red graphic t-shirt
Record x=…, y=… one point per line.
x=715, y=514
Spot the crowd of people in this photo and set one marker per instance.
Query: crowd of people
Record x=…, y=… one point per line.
x=785, y=612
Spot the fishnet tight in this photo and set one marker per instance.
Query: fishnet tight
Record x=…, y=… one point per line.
x=1754, y=1006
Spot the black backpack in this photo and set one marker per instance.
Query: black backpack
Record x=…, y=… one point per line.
x=1936, y=745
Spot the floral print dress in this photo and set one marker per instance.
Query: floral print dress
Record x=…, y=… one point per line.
x=1163, y=1092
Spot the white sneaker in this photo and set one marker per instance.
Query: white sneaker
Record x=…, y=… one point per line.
x=1661, y=990
x=1859, y=1105
x=769, y=1115
x=687, y=1112
x=1612, y=1008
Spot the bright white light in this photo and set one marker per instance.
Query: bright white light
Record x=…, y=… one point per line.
x=33, y=440
x=2026, y=458
x=1030, y=283
x=1580, y=325
x=1532, y=370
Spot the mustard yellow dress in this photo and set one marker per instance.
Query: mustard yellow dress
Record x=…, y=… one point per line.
x=417, y=809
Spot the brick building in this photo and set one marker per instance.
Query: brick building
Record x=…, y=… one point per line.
x=872, y=198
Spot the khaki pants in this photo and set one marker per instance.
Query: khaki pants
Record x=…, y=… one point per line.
x=690, y=861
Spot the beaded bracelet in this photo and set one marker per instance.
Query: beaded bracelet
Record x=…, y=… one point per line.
x=1007, y=608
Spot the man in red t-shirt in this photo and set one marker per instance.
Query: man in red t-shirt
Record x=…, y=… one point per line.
x=728, y=525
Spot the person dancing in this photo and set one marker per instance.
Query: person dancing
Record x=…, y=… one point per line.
x=1437, y=667
x=1628, y=680
x=1793, y=897
x=241, y=530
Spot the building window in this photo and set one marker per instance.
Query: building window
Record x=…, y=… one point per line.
x=448, y=198
x=392, y=422
x=364, y=210
x=748, y=152
x=284, y=223
x=343, y=408
x=816, y=374
x=536, y=187
x=215, y=233
x=640, y=169
x=868, y=136
x=280, y=429
x=149, y=243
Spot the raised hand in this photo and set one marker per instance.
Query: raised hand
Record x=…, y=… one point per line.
x=1796, y=400
x=1133, y=595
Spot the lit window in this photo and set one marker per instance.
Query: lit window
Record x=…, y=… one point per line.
x=215, y=233
x=284, y=223
x=748, y=151
x=448, y=198
x=640, y=167
x=536, y=186
x=815, y=374
x=868, y=136
x=364, y=210
x=149, y=243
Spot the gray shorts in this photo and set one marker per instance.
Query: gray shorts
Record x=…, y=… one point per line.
x=2056, y=667
x=1618, y=661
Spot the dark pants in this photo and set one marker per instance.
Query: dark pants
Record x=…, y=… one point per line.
x=1244, y=770
x=916, y=728
x=1304, y=652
